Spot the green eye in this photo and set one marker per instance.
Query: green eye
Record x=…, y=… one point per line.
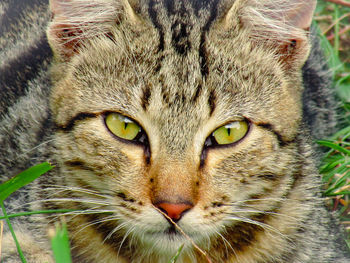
x=122, y=126
x=231, y=132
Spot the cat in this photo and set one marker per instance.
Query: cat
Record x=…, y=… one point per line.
x=169, y=123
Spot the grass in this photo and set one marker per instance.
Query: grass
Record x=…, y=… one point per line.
x=334, y=22
x=60, y=243
x=59, y=237
x=12, y=185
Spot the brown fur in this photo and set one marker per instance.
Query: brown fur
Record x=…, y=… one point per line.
x=253, y=201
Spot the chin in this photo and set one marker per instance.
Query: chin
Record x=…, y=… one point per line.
x=167, y=243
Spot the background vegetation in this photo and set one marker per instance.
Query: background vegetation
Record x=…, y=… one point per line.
x=333, y=18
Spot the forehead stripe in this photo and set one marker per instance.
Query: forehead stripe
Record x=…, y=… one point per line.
x=154, y=18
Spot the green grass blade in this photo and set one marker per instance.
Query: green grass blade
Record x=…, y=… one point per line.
x=343, y=89
x=173, y=260
x=331, y=163
x=23, y=179
x=339, y=193
x=335, y=187
x=38, y=212
x=348, y=243
x=343, y=133
x=333, y=60
x=19, y=250
x=336, y=30
x=60, y=245
x=339, y=170
x=334, y=146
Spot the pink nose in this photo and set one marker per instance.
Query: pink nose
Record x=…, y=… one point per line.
x=174, y=211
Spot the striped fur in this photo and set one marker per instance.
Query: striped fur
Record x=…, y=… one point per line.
x=180, y=69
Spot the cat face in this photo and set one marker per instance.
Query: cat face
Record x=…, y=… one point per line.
x=198, y=132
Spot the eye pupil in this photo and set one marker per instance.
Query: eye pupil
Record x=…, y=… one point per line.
x=229, y=133
x=123, y=127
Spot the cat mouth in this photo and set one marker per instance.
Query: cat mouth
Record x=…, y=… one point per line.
x=170, y=234
x=172, y=231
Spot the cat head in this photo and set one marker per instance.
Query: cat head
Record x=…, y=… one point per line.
x=180, y=111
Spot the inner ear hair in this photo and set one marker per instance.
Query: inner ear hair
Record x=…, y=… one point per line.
x=77, y=21
x=272, y=19
x=278, y=24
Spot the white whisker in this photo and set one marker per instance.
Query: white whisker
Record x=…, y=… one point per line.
x=96, y=222
x=61, y=188
x=226, y=243
x=260, y=224
x=117, y=228
x=130, y=230
x=250, y=211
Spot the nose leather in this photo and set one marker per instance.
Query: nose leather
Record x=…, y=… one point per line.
x=174, y=211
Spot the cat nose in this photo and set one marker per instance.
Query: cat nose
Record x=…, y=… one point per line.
x=174, y=211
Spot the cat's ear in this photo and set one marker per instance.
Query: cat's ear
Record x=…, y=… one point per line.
x=75, y=21
x=284, y=23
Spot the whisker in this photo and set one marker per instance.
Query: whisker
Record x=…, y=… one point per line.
x=125, y=237
x=96, y=222
x=37, y=146
x=115, y=229
x=61, y=188
x=260, y=224
x=226, y=243
x=71, y=200
x=73, y=214
x=255, y=200
x=86, y=212
x=233, y=212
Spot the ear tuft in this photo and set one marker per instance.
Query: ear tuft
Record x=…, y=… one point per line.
x=282, y=23
x=75, y=21
x=277, y=19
